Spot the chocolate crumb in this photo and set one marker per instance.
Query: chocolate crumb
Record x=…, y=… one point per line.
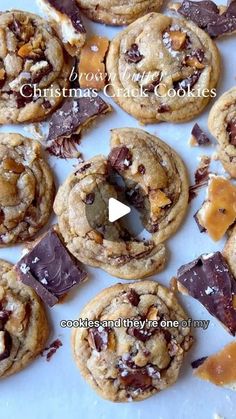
x=199, y=135
x=51, y=349
x=198, y=362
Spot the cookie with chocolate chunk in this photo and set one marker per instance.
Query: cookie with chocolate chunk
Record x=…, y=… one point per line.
x=156, y=175
x=65, y=17
x=222, y=124
x=162, y=69
x=115, y=12
x=156, y=184
x=26, y=189
x=141, y=355
x=32, y=68
x=24, y=327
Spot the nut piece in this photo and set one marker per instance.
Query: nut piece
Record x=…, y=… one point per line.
x=218, y=213
x=91, y=65
x=178, y=40
x=152, y=313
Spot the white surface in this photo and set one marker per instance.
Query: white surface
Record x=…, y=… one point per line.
x=117, y=210
x=56, y=389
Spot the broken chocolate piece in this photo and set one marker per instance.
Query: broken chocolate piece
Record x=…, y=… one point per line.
x=98, y=338
x=133, y=297
x=26, y=97
x=71, y=9
x=50, y=269
x=209, y=280
x=188, y=83
x=5, y=344
x=163, y=108
x=69, y=120
x=231, y=129
x=136, y=380
x=133, y=55
x=120, y=158
x=141, y=334
x=200, y=135
x=207, y=16
x=198, y=362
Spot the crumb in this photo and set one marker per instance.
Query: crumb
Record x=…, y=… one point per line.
x=51, y=349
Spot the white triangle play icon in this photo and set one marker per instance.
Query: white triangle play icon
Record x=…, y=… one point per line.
x=117, y=210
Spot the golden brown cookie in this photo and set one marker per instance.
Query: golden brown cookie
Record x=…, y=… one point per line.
x=157, y=177
x=31, y=58
x=24, y=327
x=162, y=69
x=132, y=360
x=222, y=124
x=26, y=189
x=116, y=12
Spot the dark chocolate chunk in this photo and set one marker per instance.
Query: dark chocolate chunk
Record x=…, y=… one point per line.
x=15, y=27
x=89, y=199
x=36, y=78
x=137, y=379
x=207, y=16
x=188, y=83
x=150, y=88
x=51, y=349
x=71, y=9
x=209, y=280
x=133, y=55
x=26, y=97
x=201, y=228
x=163, y=108
x=120, y=158
x=73, y=114
x=141, y=334
x=5, y=344
x=4, y=316
x=135, y=198
x=83, y=169
x=133, y=297
x=50, y=269
x=142, y=169
x=198, y=362
x=200, y=135
x=99, y=338
x=231, y=129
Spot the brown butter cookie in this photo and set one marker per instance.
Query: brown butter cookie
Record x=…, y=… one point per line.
x=24, y=327
x=26, y=189
x=128, y=363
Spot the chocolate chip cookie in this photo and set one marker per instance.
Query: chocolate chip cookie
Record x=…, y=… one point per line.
x=156, y=179
x=139, y=356
x=32, y=68
x=222, y=124
x=26, y=189
x=162, y=69
x=93, y=239
x=23, y=324
x=156, y=184
x=116, y=12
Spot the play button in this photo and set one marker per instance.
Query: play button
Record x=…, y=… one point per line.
x=117, y=210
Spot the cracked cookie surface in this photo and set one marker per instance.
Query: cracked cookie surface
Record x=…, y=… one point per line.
x=23, y=324
x=159, y=68
x=116, y=12
x=26, y=189
x=30, y=55
x=138, y=157
x=222, y=124
x=129, y=363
